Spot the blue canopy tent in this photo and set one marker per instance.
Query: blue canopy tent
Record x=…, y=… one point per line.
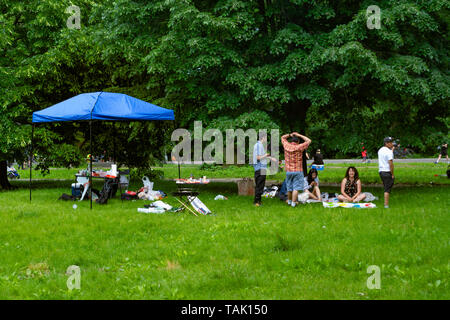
x=101, y=106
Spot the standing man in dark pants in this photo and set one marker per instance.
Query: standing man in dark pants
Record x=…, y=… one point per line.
x=386, y=167
x=260, y=165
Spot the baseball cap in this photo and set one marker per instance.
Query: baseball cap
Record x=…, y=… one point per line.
x=388, y=139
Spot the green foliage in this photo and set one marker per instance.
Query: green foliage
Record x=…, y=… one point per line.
x=153, y=174
x=309, y=66
x=209, y=167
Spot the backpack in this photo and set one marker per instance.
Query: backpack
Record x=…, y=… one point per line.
x=67, y=197
x=108, y=191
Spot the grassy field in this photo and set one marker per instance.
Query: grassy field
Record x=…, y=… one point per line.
x=239, y=252
x=406, y=173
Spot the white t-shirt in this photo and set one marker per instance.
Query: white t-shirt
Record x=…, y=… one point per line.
x=384, y=155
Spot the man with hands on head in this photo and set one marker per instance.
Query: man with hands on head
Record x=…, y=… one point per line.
x=293, y=164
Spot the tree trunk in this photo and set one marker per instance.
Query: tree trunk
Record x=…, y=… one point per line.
x=4, y=183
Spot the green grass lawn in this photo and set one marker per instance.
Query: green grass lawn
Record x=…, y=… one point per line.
x=240, y=252
x=406, y=173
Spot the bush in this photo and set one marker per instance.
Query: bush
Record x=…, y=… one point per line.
x=209, y=167
x=139, y=173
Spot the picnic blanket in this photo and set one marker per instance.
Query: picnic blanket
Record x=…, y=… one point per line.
x=363, y=205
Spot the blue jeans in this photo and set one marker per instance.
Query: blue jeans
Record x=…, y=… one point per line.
x=294, y=181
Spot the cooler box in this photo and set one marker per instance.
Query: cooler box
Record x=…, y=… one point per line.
x=318, y=167
x=77, y=189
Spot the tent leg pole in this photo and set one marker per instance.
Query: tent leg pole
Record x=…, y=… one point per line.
x=114, y=143
x=31, y=157
x=90, y=162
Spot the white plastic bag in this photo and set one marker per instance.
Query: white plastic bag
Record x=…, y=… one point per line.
x=147, y=183
x=161, y=204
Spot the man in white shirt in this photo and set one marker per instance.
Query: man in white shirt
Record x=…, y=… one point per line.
x=386, y=167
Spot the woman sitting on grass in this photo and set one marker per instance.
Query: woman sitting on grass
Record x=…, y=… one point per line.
x=351, y=187
x=311, y=185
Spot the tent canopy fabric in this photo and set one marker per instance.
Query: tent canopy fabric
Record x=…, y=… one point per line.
x=104, y=106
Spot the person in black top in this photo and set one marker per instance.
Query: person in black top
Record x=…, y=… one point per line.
x=351, y=187
x=318, y=158
x=444, y=149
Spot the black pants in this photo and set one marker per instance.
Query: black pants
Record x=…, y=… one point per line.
x=388, y=182
x=260, y=182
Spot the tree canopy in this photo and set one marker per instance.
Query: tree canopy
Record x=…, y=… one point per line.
x=310, y=66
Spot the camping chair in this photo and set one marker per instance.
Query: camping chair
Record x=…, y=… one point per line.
x=124, y=180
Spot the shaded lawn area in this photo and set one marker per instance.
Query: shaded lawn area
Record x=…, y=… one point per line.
x=405, y=173
x=240, y=252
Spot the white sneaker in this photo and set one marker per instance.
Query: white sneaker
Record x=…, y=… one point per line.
x=293, y=204
x=386, y=207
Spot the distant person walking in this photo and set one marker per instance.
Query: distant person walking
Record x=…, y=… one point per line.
x=386, y=167
x=364, y=154
x=293, y=155
x=260, y=165
x=443, y=153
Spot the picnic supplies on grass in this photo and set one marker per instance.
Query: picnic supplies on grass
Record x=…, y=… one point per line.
x=369, y=197
x=129, y=195
x=270, y=192
x=198, y=205
x=12, y=173
x=77, y=190
x=147, y=192
x=363, y=205
x=161, y=204
x=124, y=179
x=147, y=183
x=156, y=207
x=220, y=197
x=192, y=181
x=313, y=201
x=151, y=210
x=184, y=205
x=108, y=191
x=150, y=195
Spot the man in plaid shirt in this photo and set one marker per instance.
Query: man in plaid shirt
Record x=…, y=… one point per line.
x=293, y=164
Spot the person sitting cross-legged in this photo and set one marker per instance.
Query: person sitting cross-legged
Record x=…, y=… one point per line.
x=351, y=187
x=311, y=185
